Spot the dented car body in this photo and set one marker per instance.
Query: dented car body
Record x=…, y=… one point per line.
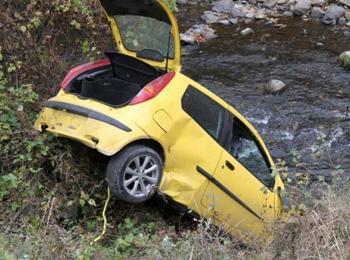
x=164, y=132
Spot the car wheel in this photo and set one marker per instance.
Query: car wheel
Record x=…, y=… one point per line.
x=134, y=174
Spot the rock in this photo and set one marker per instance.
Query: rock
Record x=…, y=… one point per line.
x=198, y=34
x=348, y=24
x=224, y=22
x=275, y=86
x=210, y=17
x=345, y=2
x=318, y=2
x=287, y=14
x=347, y=33
x=223, y=6
x=233, y=21
x=345, y=59
x=282, y=2
x=342, y=20
x=347, y=15
x=319, y=44
x=269, y=3
x=317, y=12
x=333, y=13
x=260, y=14
x=247, y=31
x=237, y=12
x=302, y=7
x=182, y=2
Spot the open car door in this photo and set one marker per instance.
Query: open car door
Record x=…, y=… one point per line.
x=147, y=30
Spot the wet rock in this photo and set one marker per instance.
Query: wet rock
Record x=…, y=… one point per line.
x=198, y=34
x=269, y=3
x=345, y=2
x=317, y=12
x=182, y=2
x=223, y=6
x=260, y=14
x=247, y=31
x=224, y=22
x=237, y=11
x=287, y=14
x=345, y=59
x=211, y=17
x=318, y=2
x=302, y=7
x=347, y=15
x=233, y=21
x=342, y=20
x=333, y=13
x=275, y=86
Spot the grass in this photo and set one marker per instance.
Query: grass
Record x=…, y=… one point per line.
x=322, y=232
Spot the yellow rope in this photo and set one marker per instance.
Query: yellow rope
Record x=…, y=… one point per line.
x=104, y=218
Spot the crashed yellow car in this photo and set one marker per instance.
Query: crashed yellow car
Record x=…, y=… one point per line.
x=165, y=133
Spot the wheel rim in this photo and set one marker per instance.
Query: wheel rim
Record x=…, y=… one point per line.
x=140, y=175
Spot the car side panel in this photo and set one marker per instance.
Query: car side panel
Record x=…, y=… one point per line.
x=184, y=142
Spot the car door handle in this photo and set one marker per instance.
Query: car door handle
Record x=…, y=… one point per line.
x=230, y=165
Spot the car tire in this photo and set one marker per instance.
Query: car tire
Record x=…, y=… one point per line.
x=134, y=174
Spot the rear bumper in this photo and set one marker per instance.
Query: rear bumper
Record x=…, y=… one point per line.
x=100, y=130
x=86, y=112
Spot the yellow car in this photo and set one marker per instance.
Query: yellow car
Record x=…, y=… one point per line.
x=165, y=133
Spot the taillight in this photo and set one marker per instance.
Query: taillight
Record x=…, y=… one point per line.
x=153, y=88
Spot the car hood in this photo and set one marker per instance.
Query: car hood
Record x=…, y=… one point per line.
x=147, y=30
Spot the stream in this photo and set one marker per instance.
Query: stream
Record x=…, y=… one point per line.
x=308, y=124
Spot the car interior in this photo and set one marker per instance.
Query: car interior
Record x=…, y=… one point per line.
x=116, y=84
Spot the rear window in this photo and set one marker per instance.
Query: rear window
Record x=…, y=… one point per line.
x=205, y=111
x=141, y=33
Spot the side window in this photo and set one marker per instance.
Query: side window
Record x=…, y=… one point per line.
x=205, y=111
x=245, y=148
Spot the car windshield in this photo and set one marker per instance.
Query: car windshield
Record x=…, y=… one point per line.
x=144, y=33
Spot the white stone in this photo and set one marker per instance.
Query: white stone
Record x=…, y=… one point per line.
x=247, y=31
x=275, y=86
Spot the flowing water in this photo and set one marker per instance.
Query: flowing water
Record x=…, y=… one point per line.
x=309, y=122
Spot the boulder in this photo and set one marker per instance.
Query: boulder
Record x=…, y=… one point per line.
x=342, y=20
x=275, y=86
x=269, y=3
x=347, y=15
x=260, y=14
x=198, y=34
x=237, y=11
x=345, y=2
x=345, y=59
x=287, y=14
x=182, y=2
x=223, y=6
x=333, y=13
x=302, y=7
x=317, y=12
x=210, y=17
x=318, y=2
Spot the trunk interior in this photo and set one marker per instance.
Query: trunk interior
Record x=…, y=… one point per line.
x=117, y=84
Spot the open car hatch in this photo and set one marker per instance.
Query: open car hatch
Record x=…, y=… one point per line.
x=147, y=30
